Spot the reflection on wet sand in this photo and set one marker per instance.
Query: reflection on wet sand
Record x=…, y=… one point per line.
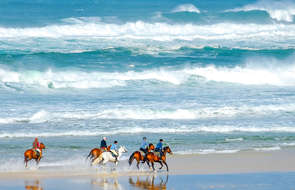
x=149, y=182
x=33, y=185
x=106, y=183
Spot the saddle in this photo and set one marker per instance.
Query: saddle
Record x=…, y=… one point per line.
x=36, y=152
x=158, y=154
x=113, y=154
x=141, y=152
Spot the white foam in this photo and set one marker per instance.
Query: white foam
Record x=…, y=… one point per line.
x=233, y=139
x=288, y=144
x=278, y=10
x=207, y=151
x=249, y=74
x=40, y=117
x=136, y=130
x=12, y=164
x=158, y=31
x=186, y=8
x=268, y=148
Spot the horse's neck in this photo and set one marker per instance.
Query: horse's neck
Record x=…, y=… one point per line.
x=120, y=153
x=164, y=152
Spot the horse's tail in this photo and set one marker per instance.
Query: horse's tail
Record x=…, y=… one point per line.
x=26, y=159
x=131, y=158
x=90, y=154
x=97, y=160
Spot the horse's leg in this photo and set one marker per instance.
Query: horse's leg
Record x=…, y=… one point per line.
x=166, y=165
x=137, y=165
x=92, y=159
x=153, y=165
x=26, y=162
x=148, y=163
x=161, y=164
x=104, y=161
x=38, y=160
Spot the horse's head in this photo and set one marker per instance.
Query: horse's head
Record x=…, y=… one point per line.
x=167, y=149
x=42, y=146
x=122, y=149
x=151, y=146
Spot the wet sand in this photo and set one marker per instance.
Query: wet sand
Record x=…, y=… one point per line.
x=184, y=169
x=241, y=162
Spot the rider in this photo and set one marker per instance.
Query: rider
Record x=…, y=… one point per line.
x=103, y=144
x=159, y=147
x=144, y=145
x=36, y=147
x=114, y=150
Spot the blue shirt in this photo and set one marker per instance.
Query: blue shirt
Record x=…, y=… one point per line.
x=143, y=145
x=114, y=147
x=159, y=146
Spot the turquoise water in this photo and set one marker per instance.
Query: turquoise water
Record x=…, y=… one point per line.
x=208, y=77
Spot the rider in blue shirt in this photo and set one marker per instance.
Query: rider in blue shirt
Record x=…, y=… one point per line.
x=159, y=146
x=114, y=149
x=144, y=145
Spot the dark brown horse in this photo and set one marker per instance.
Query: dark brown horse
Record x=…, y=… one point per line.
x=152, y=157
x=96, y=152
x=140, y=157
x=32, y=154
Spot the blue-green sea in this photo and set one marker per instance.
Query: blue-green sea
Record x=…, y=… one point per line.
x=206, y=76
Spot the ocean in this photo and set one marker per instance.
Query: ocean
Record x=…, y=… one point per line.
x=206, y=76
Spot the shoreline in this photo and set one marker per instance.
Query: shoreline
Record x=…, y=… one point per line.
x=191, y=164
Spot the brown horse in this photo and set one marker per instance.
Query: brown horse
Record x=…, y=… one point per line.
x=96, y=152
x=139, y=157
x=151, y=157
x=31, y=154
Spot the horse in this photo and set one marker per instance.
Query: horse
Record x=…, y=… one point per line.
x=139, y=157
x=108, y=157
x=151, y=157
x=96, y=152
x=31, y=154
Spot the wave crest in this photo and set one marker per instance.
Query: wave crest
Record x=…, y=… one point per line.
x=278, y=10
x=186, y=8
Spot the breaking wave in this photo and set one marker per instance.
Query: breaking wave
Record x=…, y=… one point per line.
x=278, y=10
x=186, y=8
x=256, y=71
x=159, y=31
x=153, y=114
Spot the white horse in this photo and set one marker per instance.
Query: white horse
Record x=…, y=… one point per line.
x=108, y=157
